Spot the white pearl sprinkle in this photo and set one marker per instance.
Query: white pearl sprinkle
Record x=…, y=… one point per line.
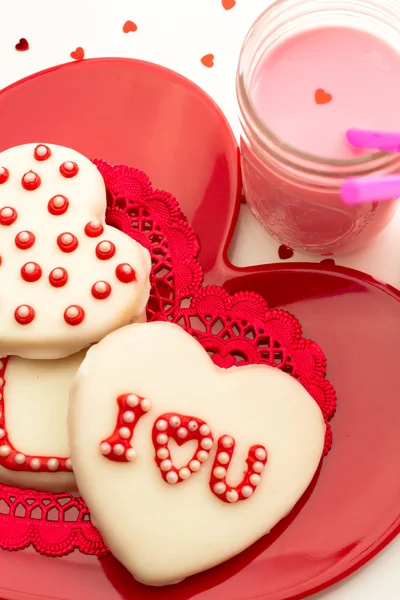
x=58, y=201
x=260, y=454
x=162, y=425
x=162, y=453
x=193, y=426
x=29, y=267
x=41, y=150
x=207, y=443
x=202, y=455
x=29, y=177
x=68, y=464
x=67, y=239
x=227, y=441
x=69, y=165
x=162, y=438
x=130, y=454
x=247, y=491
x=2, y=432
x=182, y=433
x=24, y=237
x=172, y=477
x=124, y=433
x=72, y=312
x=2, y=170
x=232, y=496
x=118, y=450
x=128, y=416
x=19, y=459
x=166, y=465
x=255, y=479
x=194, y=466
x=95, y=224
x=7, y=212
x=219, y=488
x=53, y=464
x=23, y=311
x=219, y=472
x=132, y=400
x=35, y=464
x=205, y=430
x=105, y=247
x=145, y=405
x=223, y=458
x=175, y=422
x=57, y=273
x=105, y=448
x=5, y=451
x=258, y=467
x=100, y=287
x=127, y=269
x=184, y=473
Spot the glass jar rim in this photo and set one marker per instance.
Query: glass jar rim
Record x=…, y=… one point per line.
x=262, y=130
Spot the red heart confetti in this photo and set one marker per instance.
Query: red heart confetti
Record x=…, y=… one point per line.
x=228, y=4
x=129, y=26
x=78, y=54
x=23, y=45
x=328, y=261
x=322, y=97
x=208, y=60
x=285, y=252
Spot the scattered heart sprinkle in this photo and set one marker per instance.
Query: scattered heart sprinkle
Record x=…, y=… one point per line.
x=322, y=97
x=22, y=45
x=328, y=261
x=129, y=26
x=285, y=252
x=208, y=60
x=228, y=4
x=78, y=54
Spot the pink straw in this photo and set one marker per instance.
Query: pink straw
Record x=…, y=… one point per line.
x=359, y=190
x=378, y=140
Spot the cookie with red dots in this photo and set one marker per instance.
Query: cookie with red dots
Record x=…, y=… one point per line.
x=66, y=278
x=184, y=464
x=34, y=447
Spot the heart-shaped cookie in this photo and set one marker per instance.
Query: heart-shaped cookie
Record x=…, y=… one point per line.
x=254, y=440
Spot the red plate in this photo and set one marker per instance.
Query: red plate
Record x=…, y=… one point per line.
x=140, y=114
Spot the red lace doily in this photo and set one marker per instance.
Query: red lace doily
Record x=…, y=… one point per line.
x=238, y=329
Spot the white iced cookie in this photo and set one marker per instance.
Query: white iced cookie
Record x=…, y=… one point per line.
x=184, y=464
x=34, y=449
x=66, y=278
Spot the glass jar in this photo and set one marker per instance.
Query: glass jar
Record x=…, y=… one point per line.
x=296, y=195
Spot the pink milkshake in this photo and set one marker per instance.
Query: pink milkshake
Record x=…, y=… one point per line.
x=299, y=95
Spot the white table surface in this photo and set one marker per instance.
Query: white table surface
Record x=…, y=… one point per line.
x=177, y=34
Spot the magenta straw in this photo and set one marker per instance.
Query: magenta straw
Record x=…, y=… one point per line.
x=359, y=190
x=377, y=140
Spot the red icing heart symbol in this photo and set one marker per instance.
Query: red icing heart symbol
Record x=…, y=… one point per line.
x=182, y=429
x=322, y=97
x=129, y=26
x=208, y=60
x=285, y=252
x=78, y=54
x=228, y=4
x=22, y=45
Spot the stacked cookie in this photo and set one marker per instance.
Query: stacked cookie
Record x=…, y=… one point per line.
x=66, y=280
x=182, y=464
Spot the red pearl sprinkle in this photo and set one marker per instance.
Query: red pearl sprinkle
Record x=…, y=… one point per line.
x=31, y=272
x=74, y=315
x=94, y=229
x=125, y=273
x=24, y=240
x=58, y=277
x=58, y=205
x=31, y=181
x=69, y=169
x=42, y=152
x=8, y=216
x=105, y=250
x=24, y=314
x=101, y=290
x=67, y=242
x=4, y=174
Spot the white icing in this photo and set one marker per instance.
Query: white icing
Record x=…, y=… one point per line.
x=163, y=533
x=48, y=336
x=36, y=404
